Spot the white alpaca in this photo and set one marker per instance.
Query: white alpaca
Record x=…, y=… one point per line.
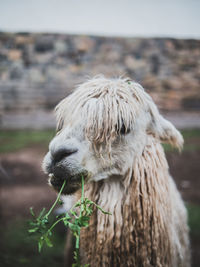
x=109, y=130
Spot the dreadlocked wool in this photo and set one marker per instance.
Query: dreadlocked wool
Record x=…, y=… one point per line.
x=148, y=225
x=144, y=228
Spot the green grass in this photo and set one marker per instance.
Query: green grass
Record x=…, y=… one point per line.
x=190, y=136
x=194, y=219
x=15, y=140
x=190, y=133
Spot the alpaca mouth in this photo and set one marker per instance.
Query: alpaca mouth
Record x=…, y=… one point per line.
x=73, y=183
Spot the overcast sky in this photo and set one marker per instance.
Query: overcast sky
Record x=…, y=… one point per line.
x=154, y=18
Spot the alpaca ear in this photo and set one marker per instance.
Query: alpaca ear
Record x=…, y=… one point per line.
x=162, y=129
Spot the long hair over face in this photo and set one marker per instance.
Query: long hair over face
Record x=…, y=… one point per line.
x=105, y=105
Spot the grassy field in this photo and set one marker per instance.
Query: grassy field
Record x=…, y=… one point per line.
x=11, y=141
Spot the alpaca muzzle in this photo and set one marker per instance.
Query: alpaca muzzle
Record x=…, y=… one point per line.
x=73, y=182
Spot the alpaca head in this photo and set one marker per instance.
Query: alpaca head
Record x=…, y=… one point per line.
x=101, y=127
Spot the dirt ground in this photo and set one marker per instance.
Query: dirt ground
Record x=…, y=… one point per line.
x=24, y=185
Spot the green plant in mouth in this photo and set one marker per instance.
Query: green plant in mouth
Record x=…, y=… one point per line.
x=78, y=217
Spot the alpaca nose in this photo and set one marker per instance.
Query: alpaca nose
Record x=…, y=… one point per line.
x=62, y=153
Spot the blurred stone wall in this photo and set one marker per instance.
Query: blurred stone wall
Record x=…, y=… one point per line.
x=38, y=70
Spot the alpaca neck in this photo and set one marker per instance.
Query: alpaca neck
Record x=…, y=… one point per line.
x=136, y=207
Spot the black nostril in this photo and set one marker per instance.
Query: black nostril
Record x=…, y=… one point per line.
x=62, y=153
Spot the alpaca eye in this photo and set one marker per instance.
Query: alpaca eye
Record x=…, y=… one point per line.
x=124, y=130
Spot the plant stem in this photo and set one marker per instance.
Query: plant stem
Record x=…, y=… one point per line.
x=82, y=195
x=61, y=219
x=82, y=191
x=80, y=214
x=77, y=242
x=58, y=197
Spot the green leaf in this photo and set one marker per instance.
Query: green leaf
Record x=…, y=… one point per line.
x=74, y=227
x=66, y=219
x=41, y=214
x=48, y=242
x=103, y=211
x=66, y=222
x=33, y=230
x=40, y=243
x=77, y=204
x=67, y=216
x=73, y=213
x=32, y=212
x=84, y=221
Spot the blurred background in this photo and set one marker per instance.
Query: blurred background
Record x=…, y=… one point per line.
x=47, y=47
